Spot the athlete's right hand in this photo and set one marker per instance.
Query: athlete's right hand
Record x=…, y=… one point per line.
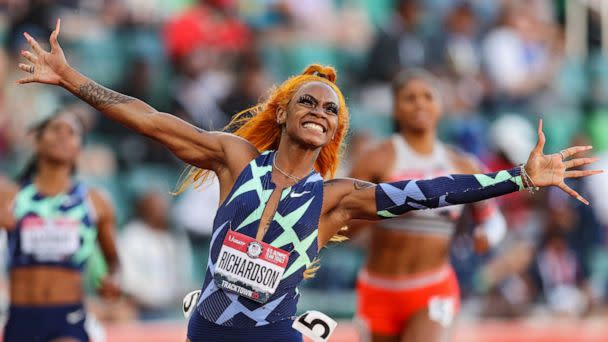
x=109, y=288
x=43, y=66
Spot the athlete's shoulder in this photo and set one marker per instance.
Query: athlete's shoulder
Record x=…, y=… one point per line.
x=101, y=200
x=236, y=144
x=383, y=147
x=464, y=161
x=372, y=163
x=238, y=152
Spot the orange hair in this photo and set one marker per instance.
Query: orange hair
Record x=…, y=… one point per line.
x=258, y=124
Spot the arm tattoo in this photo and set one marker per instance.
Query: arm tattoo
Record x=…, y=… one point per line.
x=99, y=96
x=331, y=182
x=360, y=185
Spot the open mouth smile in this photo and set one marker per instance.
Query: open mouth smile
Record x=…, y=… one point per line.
x=314, y=126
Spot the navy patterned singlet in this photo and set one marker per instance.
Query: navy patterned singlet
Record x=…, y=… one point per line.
x=294, y=228
x=52, y=230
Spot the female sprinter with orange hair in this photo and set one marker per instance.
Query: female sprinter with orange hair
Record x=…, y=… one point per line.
x=276, y=209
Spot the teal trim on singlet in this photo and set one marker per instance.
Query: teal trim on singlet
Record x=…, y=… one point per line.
x=73, y=204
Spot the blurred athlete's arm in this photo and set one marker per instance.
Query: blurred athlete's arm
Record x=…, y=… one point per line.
x=490, y=225
x=8, y=190
x=106, y=229
x=189, y=143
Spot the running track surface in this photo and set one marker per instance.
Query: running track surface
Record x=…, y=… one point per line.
x=555, y=330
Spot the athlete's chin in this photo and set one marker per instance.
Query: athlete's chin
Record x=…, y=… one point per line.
x=313, y=141
x=420, y=127
x=61, y=158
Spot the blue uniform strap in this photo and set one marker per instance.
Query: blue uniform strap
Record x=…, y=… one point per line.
x=396, y=198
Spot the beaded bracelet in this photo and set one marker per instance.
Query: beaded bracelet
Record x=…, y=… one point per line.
x=527, y=180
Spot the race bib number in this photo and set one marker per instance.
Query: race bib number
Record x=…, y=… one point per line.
x=249, y=268
x=315, y=325
x=441, y=310
x=49, y=240
x=189, y=302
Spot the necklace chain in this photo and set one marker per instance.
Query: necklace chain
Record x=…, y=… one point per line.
x=290, y=176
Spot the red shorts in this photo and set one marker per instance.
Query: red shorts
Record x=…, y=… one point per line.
x=384, y=304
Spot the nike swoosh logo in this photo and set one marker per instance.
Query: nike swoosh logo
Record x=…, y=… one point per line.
x=300, y=194
x=75, y=316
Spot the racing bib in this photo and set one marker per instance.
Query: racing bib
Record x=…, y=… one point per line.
x=315, y=325
x=250, y=268
x=51, y=239
x=189, y=302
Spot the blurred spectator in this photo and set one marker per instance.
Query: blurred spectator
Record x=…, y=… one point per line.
x=200, y=43
x=401, y=43
x=597, y=187
x=157, y=262
x=455, y=54
x=4, y=115
x=133, y=149
x=558, y=276
x=517, y=56
x=251, y=84
x=33, y=16
x=194, y=212
x=313, y=19
x=187, y=210
x=458, y=48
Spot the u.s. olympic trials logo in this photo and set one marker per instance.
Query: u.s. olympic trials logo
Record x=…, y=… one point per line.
x=254, y=250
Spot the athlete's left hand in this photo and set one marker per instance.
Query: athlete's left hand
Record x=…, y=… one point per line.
x=553, y=169
x=110, y=287
x=481, y=243
x=44, y=66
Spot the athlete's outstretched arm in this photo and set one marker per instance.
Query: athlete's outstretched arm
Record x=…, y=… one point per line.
x=192, y=145
x=356, y=199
